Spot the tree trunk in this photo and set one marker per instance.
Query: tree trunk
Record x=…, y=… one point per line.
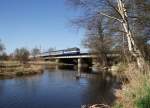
x=133, y=49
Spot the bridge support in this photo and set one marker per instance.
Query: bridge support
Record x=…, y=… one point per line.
x=79, y=64
x=57, y=61
x=57, y=64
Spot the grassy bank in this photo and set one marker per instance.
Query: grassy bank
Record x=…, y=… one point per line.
x=9, y=69
x=135, y=93
x=42, y=63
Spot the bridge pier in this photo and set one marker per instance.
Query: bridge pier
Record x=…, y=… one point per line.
x=57, y=61
x=57, y=64
x=79, y=64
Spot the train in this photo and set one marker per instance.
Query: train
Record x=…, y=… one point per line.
x=68, y=51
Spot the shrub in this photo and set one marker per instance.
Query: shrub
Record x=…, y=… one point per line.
x=19, y=74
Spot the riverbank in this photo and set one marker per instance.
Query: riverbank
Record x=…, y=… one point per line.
x=135, y=93
x=10, y=69
x=135, y=89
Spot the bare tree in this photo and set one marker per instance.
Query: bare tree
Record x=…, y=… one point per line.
x=51, y=49
x=115, y=10
x=97, y=40
x=139, y=20
x=35, y=51
x=4, y=56
x=132, y=47
x=22, y=55
x=2, y=47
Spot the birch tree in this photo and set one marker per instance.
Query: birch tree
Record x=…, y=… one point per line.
x=134, y=50
x=132, y=47
x=115, y=10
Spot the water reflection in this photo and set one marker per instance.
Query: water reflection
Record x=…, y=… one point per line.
x=56, y=89
x=100, y=89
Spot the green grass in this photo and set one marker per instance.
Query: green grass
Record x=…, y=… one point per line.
x=144, y=102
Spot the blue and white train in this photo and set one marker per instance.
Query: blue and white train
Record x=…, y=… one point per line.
x=69, y=51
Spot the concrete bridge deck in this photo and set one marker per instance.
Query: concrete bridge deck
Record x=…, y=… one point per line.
x=81, y=55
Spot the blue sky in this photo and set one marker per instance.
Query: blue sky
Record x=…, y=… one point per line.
x=30, y=23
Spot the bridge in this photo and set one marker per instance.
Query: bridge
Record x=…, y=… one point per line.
x=79, y=60
x=81, y=55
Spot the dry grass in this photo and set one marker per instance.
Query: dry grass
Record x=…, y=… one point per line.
x=11, y=69
x=138, y=88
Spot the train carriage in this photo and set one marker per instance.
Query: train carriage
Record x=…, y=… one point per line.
x=72, y=51
x=69, y=51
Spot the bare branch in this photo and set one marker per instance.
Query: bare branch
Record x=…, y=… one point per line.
x=111, y=5
x=112, y=17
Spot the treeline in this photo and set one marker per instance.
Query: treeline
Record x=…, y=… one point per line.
x=19, y=54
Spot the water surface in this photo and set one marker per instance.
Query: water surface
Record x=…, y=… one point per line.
x=56, y=89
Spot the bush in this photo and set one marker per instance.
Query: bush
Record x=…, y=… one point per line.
x=19, y=74
x=122, y=68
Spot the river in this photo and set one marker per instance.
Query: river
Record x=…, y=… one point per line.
x=57, y=89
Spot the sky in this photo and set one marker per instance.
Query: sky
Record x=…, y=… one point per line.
x=38, y=23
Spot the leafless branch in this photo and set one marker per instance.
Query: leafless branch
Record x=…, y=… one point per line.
x=112, y=17
x=111, y=5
